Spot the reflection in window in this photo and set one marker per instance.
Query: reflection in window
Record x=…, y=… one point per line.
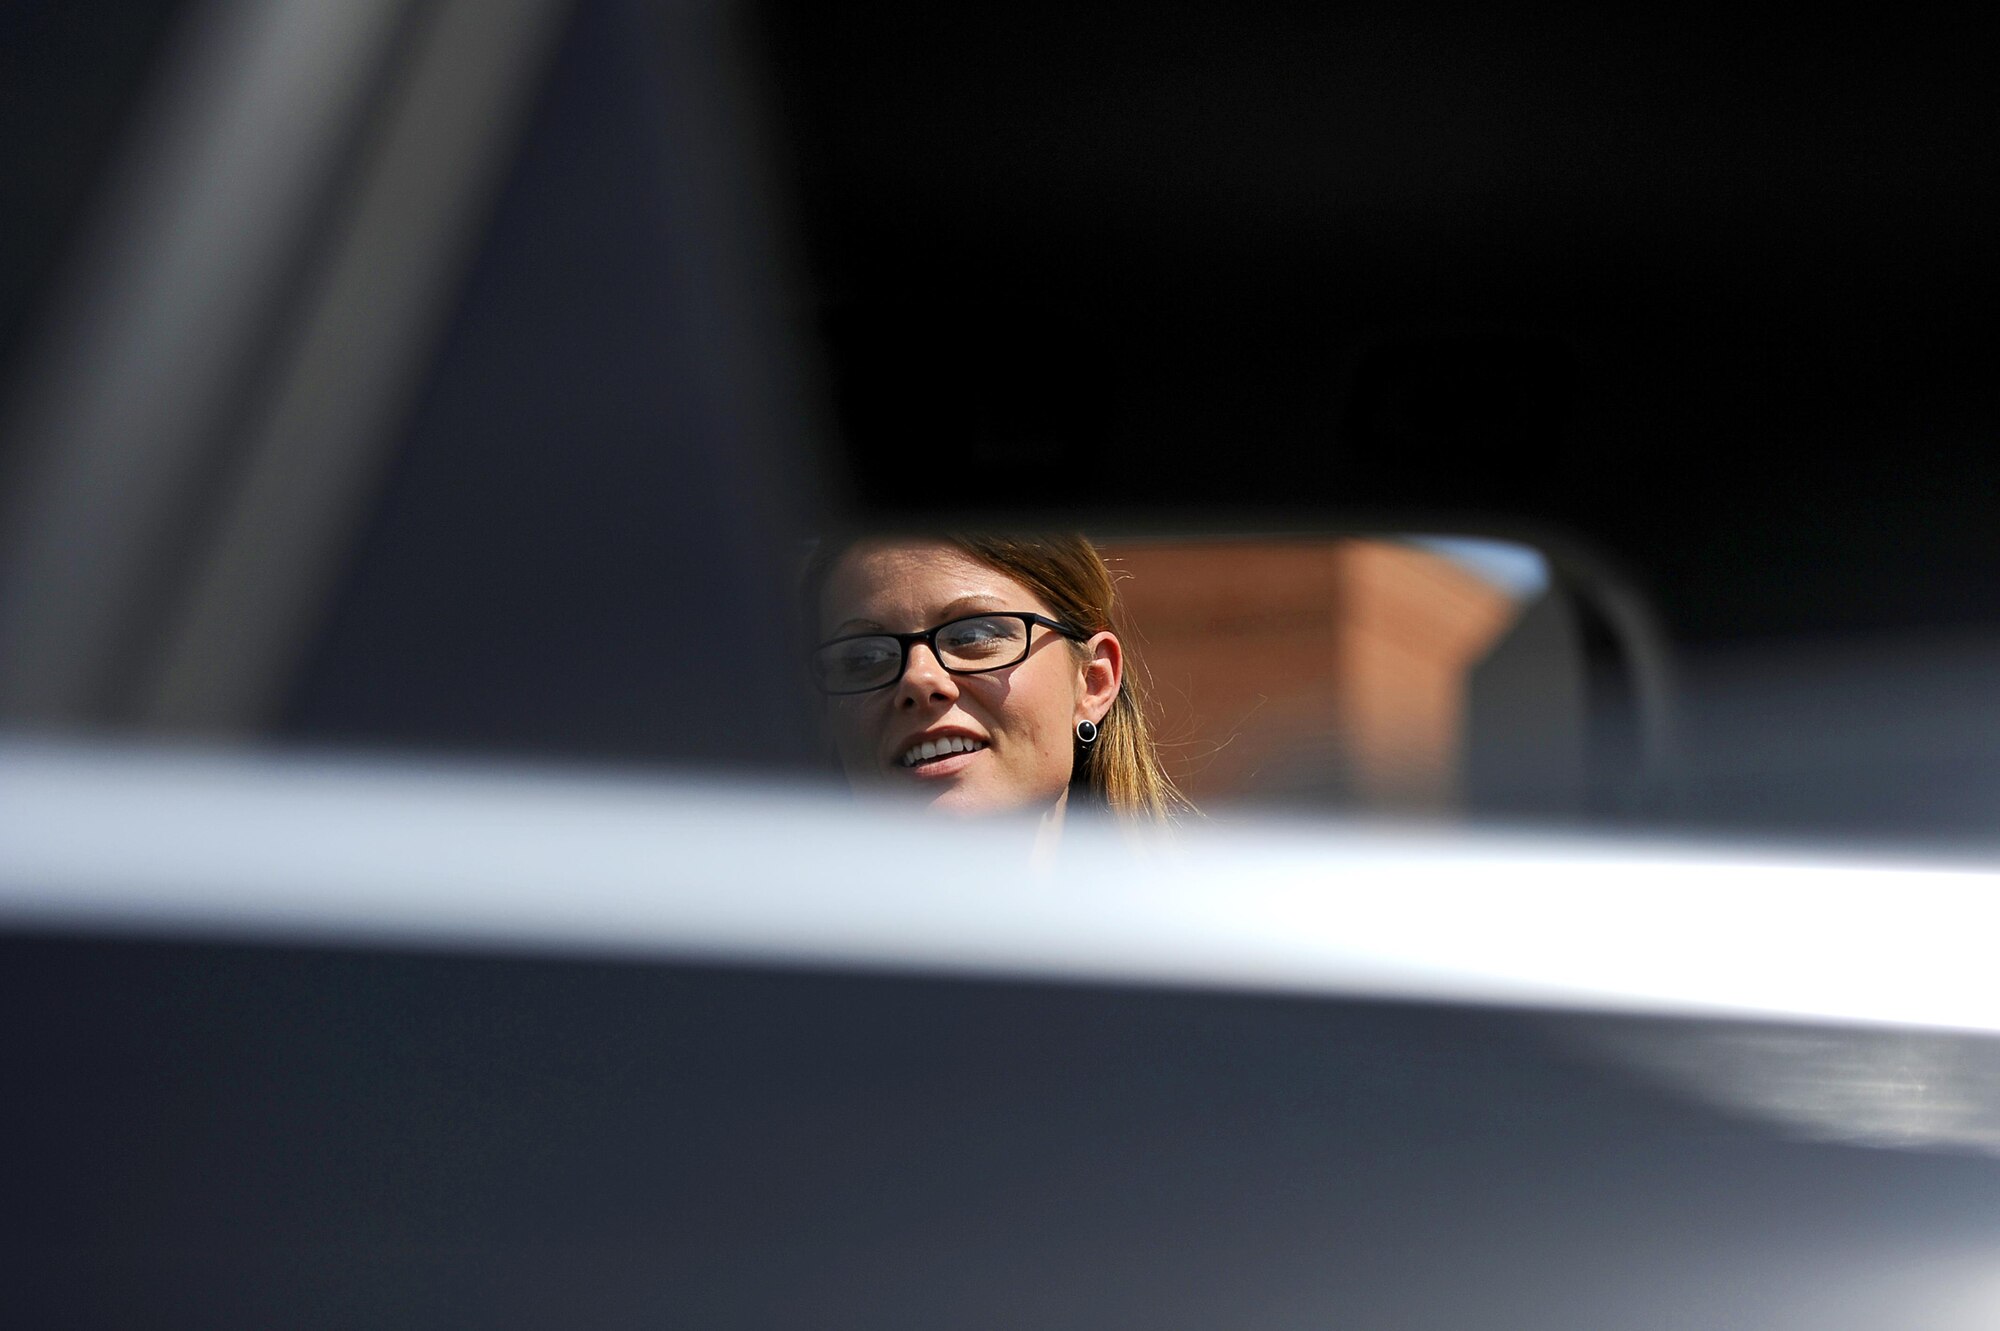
x=1319, y=671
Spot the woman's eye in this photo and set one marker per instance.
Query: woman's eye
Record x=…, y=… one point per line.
x=863, y=659
x=980, y=636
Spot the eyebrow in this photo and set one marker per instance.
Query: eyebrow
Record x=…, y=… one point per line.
x=972, y=603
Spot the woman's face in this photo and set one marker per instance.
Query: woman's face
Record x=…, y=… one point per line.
x=1019, y=722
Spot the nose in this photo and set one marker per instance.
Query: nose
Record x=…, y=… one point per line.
x=924, y=678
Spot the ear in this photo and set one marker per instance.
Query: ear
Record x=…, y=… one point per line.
x=1103, y=671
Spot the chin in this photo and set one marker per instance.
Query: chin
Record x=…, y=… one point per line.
x=974, y=802
x=961, y=802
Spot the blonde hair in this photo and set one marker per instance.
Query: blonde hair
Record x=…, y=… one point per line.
x=1121, y=771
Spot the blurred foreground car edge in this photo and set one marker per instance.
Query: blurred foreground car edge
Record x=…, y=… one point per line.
x=297, y=849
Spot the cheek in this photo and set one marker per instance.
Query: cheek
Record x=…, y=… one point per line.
x=853, y=730
x=1038, y=723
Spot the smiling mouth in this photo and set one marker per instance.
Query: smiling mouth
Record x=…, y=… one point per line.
x=931, y=751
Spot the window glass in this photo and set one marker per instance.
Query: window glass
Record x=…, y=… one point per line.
x=70, y=74
x=1321, y=671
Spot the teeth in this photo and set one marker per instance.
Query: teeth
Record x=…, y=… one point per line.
x=937, y=748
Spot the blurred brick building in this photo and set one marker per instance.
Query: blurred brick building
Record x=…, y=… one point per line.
x=1309, y=671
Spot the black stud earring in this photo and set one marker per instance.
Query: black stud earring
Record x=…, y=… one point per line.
x=1086, y=731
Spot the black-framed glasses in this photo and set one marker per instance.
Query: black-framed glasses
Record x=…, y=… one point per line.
x=973, y=645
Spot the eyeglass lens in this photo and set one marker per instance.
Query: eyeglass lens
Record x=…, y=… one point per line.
x=979, y=642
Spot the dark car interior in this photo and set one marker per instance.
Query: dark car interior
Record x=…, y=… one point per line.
x=510, y=454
